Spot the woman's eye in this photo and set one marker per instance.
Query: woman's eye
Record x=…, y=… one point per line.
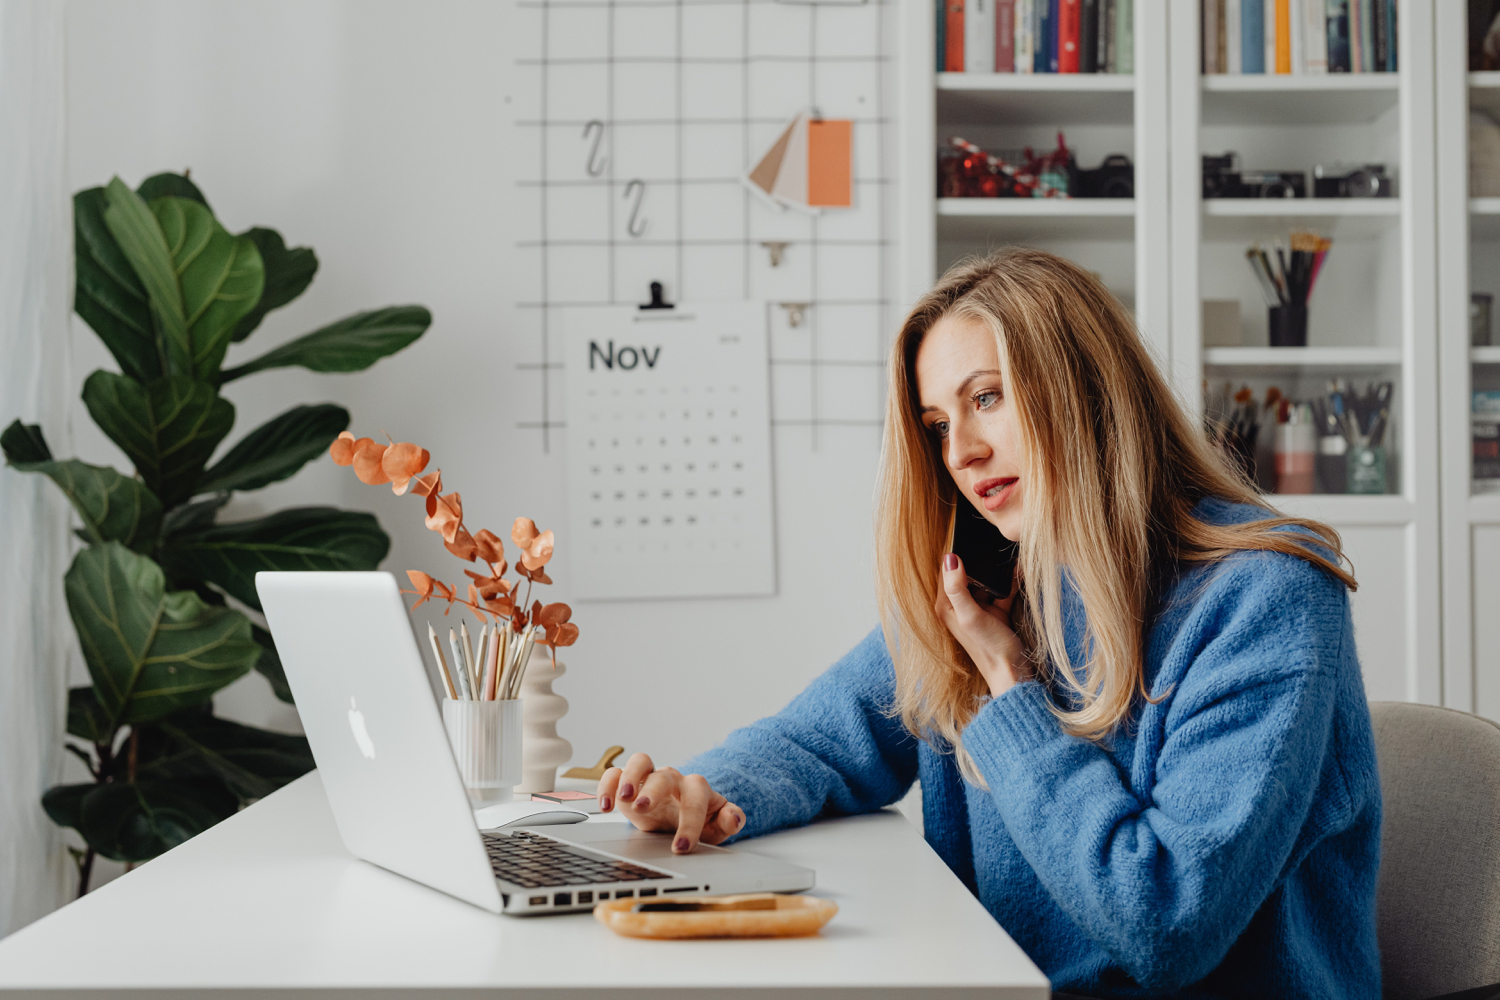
x=986, y=398
x=939, y=428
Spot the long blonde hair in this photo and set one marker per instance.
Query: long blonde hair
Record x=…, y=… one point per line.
x=1116, y=467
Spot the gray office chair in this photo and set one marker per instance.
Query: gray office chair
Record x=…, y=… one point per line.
x=1439, y=895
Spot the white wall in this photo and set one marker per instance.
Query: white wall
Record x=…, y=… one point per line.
x=374, y=132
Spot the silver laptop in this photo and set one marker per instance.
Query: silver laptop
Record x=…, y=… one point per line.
x=377, y=736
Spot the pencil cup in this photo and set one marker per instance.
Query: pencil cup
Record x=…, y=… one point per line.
x=486, y=741
x=1366, y=469
x=1288, y=325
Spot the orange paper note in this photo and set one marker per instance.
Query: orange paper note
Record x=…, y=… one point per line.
x=829, y=156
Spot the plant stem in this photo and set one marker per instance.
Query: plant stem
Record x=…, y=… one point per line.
x=85, y=871
x=131, y=753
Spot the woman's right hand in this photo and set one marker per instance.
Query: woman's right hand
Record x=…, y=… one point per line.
x=665, y=799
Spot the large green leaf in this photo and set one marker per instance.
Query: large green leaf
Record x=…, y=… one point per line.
x=276, y=449
x=350, y=345
x=107, y=293
x=137, y=822
x=198, y=514
x=168, y=427
x=64, y=803
x=87, y=719
x=169, y=185
x=288, y=273
x=269, y=664
x=221, y=277
x=250, y=762
x=24, y=443
x=150, y=653
x=113, y=507
x=302, y=538
x=139, y=236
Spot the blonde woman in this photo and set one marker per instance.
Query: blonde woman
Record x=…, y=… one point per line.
x=1153, y=762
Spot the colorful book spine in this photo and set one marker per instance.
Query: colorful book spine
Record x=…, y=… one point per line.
x=1053, y=14
x=1337, y=16
x=1069, y=32
x=953, y=30
x=1393, y=46
x=1124, y=36
x=979, y=36
x=1314, y=37
x=1252, y=36
x=1039, y=55
x=1268, y=32
x=1025, y=36
x=1005, y=36
x=1295, y=30
x=1106, y=36
x=1088, y=37
x=1210, y=25
x=1283, y=36
x=1367, y=36
x=1378, y=29
x=1234, y=52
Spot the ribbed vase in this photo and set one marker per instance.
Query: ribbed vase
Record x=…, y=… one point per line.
x=542, y=750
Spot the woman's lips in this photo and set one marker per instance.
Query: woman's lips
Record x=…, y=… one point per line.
x=1008, y=486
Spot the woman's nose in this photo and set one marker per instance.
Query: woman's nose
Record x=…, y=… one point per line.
x=965, y=446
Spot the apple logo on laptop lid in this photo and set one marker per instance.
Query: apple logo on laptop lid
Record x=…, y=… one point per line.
x=361, y=734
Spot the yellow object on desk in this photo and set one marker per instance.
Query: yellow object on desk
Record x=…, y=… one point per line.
x=763, y=914
x=597, y=771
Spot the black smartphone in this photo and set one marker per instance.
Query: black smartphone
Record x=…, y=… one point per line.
x=989, y=558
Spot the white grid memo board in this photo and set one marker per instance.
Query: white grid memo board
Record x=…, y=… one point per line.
x=639, y=117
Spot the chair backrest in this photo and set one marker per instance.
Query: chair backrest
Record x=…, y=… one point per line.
x=1439, y=896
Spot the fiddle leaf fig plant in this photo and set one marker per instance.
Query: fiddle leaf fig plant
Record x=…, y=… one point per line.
x=169, y=291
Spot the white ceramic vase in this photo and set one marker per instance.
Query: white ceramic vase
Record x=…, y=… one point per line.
x=542, y=750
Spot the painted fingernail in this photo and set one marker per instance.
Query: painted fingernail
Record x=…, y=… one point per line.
x=604, y=804
x=627, y=790
x=739, y=820
x=682, y=845
x=950, y=562
x=644, y=802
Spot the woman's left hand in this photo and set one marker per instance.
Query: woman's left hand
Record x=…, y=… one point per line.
x=983, y=630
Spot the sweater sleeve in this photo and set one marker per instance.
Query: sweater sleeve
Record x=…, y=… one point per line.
x=1167, y=879
x=833, y=751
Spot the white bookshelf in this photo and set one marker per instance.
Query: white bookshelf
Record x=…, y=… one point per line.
x=1124, y=240
x=1469, y=253
x=1374, y=312
x=1371, y=313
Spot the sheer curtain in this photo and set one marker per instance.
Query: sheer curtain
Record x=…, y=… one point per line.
x=35, y=385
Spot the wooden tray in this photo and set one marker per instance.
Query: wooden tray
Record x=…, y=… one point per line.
x=785, y=916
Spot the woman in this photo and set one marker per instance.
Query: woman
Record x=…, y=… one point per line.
x=1153, y=762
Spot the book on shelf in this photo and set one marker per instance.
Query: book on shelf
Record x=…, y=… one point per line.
x=1298, y=37
x=1036, y=36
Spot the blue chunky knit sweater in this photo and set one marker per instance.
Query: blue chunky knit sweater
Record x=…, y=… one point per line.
x=1223, y=844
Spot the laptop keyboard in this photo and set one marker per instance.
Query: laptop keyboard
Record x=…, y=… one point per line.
x=532, y=862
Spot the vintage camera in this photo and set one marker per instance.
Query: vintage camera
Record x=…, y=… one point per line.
x=1114, y=178
x=1368, y=181
x=1222, y=180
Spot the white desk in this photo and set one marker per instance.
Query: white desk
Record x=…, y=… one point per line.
x=269, y=900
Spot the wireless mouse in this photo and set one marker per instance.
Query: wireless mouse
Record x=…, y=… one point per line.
x=506, y=814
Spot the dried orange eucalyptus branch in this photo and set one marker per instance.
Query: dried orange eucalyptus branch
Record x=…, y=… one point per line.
x=401, y=465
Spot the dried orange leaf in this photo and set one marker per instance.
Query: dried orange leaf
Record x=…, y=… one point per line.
x=563, y=635
x=429, y=485
x=460, y=545
x=367, y=457
x=540, y=576
x=402, y=461
x=523, y=532
x=554, y=614
x=444, y=591
x=539, y=551
x=423, y=583
x=502, y=606
x=342, y=449
x=491, y=548
x=446, y=514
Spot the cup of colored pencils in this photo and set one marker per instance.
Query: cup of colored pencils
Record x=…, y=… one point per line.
x=1286, y=281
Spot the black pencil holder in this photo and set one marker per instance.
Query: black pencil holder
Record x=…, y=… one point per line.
x=1288, y=325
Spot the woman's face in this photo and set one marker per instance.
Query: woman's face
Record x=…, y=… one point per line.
x=962, y=398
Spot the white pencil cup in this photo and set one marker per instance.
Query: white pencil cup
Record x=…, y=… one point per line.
x=486, y=741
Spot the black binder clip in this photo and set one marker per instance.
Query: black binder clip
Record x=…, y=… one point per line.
x=656, y=298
